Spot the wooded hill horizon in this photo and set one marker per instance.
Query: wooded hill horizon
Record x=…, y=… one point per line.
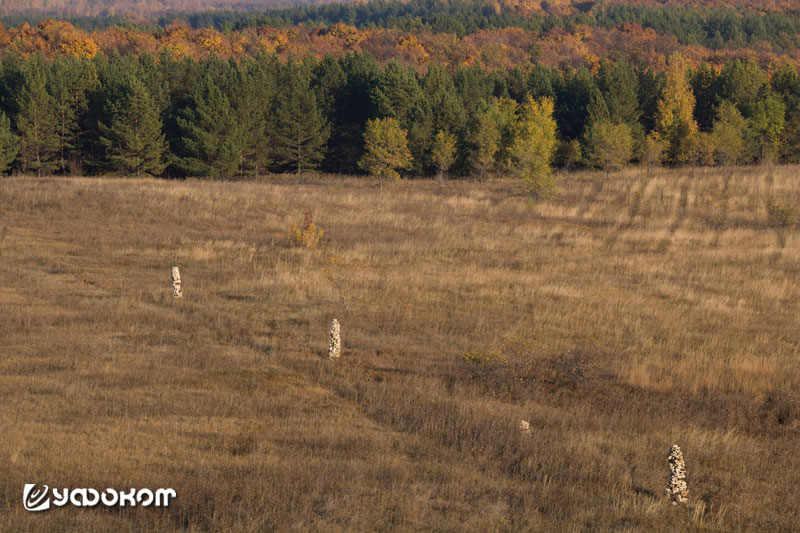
x=422, y=32
x=148, y=8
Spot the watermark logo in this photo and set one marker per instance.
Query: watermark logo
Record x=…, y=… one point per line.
x=39, y=497
x=35, y=497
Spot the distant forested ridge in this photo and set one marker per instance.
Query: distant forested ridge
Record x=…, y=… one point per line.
x=149, y=8
x=423, y=32
x=139, y=8
x=713, y=27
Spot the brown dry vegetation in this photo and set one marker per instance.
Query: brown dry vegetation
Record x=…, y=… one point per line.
x=624, y=315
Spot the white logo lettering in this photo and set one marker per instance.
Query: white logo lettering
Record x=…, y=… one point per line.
x=40, y=497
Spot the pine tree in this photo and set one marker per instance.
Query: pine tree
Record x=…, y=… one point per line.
x=181, y=78
x=444, y=152
x=353, y=108
x=69, y=82
x=211, y=131
x=704, y=87
x=446, y=113
x=327, y=81
x=651, y=90
x=742, y=83
x=398, y=94
x=252, y=102
x=9, y=144
x=597, y=110
x=474, y=88
x=385, y=149
x=301, y=130
x=36, y=121
x=619, y=85
x=574, y=90
x=446, y=107
x=132, y=138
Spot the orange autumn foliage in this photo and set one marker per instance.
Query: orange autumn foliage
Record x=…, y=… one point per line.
x=502, y=48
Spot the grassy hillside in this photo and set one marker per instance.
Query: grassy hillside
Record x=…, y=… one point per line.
x=626, y=314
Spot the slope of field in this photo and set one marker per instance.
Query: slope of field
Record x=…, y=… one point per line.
x=626, y=314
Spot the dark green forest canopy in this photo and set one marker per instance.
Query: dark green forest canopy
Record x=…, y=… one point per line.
x=217, y=118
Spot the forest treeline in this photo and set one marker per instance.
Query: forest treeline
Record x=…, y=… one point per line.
x=422, y=32
x=713, y=27
x=158, y=115
x=149, y=8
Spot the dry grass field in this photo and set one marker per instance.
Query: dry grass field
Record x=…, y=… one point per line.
x=624, y=315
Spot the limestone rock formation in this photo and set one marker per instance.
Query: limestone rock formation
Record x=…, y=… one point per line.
x=677, y=488
x=176, y=282
x=335, y=346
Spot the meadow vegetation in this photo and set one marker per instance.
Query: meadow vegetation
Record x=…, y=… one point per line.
x=628, y=312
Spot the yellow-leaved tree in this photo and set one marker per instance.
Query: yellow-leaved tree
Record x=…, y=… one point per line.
x=675, y=123
x=610, y=145
x=534, y=145
x=385, y=149
x=444, y=152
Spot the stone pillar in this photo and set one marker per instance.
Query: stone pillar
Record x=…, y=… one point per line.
x=676, y=487
x=176, y=282
x=335, y=346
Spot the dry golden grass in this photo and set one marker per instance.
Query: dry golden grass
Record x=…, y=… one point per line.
x=624, y=315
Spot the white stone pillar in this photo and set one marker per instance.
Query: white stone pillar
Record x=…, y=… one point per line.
x=176, y=282
x=335, y=346
x=676, y=487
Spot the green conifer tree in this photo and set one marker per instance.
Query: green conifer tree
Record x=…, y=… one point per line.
x=9, y=144
x=69, y=82
x=133, y=141
x=36, y=121
x=301, y=130
x=252, y=102
x=211, y=132
x=619, y=85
